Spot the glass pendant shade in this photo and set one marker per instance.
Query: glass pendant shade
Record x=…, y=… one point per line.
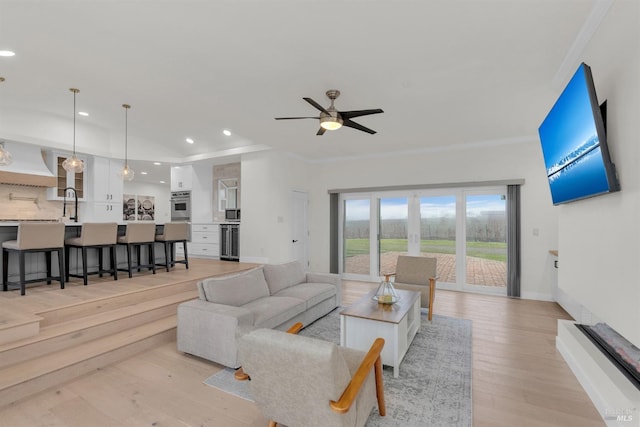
x=386, y=293
x=126, y=173
x=5, y=157
x=73, y=163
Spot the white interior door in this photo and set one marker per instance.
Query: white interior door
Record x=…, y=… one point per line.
x=300, y=227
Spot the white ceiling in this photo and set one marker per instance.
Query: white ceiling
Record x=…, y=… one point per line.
x=447, y=73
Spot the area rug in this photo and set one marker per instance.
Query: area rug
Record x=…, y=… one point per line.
x=434, y=385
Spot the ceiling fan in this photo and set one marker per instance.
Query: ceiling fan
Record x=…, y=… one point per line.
x=332, y=119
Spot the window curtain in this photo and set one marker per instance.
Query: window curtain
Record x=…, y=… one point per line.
x=334, y=248
x=513, y=240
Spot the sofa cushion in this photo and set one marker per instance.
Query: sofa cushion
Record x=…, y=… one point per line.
x=281, y=276
x=269, y=312
x=235, y=290
x=311, y=293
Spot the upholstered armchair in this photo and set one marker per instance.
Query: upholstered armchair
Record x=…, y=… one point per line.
x=417, y=273
x=302, y=381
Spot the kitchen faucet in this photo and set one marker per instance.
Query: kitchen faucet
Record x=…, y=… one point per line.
x=64, y=204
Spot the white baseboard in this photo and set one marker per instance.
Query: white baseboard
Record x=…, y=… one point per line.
x=537, y=296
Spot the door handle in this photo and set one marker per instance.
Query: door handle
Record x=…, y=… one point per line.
x=294, y=241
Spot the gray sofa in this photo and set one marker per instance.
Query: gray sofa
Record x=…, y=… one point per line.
x=270, y=296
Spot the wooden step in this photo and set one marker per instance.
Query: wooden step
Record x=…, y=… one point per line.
x=14, y=327
x=24, y=379
x=104, y=304
x=73, y=332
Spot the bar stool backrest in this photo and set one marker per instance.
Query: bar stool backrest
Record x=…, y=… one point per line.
x=174, y=231
x=40, y=236
x=140, y=232
x=99, y=233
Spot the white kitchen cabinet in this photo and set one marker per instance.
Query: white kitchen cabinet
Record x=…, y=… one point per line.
x=205, y=241
x=102, y=212
x=66, y=179
x=106, y=185
x=181, y=178
x=105, y=190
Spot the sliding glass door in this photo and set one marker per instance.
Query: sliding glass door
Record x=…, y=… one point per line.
x=486, y=240
x=465, y=229
x=393, y=215
x=356, y=250
x=438, y=226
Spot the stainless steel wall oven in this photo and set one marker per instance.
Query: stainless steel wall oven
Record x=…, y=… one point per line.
x=181, y=206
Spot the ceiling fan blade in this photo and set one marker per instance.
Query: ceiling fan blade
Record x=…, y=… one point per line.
x=293, y=118
x=358, y=113
x=348, y=123
x=315, y=104
x=321, y=131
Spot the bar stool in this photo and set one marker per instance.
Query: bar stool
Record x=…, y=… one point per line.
x=174, y=232
x=96, y=235
x=139, y=234
x=34, y=237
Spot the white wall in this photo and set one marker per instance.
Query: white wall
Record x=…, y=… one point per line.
x=202, y=193
x=269, y=177
x=161, y=192
x=486, y=163
x=267, y=181
x=599, y=238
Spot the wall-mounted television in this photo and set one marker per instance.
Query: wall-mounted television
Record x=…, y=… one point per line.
x=574, y=143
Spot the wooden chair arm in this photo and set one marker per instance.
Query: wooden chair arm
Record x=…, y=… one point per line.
x=294, y=329
x=240, y=375
x=353, y=388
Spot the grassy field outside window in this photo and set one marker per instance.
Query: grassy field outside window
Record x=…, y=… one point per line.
x=496, y=251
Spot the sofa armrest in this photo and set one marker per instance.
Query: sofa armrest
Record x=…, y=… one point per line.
x=334, y=279
x=210, y=330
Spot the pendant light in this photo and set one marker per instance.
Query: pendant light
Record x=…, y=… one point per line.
x=5, y=157
x=73, y=163
x=126, y=173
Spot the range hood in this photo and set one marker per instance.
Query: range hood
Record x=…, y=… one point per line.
x=28, y=167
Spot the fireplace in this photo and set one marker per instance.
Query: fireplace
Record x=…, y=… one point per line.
x=624, y=355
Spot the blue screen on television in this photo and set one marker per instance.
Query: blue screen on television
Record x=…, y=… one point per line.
x=574, y=144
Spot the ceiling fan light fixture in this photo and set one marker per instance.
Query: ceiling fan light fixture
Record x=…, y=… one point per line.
x=330, y=123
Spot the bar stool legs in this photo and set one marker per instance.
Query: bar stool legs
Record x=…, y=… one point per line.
x=22, y=268
x=130, y=265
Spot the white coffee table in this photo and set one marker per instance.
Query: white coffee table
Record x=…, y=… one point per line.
x=366, y=319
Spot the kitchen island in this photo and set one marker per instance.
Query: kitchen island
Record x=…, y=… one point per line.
x=35, y=262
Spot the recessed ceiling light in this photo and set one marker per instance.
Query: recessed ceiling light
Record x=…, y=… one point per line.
x=143, y=173
x=227, y=132
x=157, y=163
x=162, y=182
x=189, y=140
x=6, y=53
x=82, y=113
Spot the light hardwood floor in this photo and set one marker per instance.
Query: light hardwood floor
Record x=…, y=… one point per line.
x=519, y=378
